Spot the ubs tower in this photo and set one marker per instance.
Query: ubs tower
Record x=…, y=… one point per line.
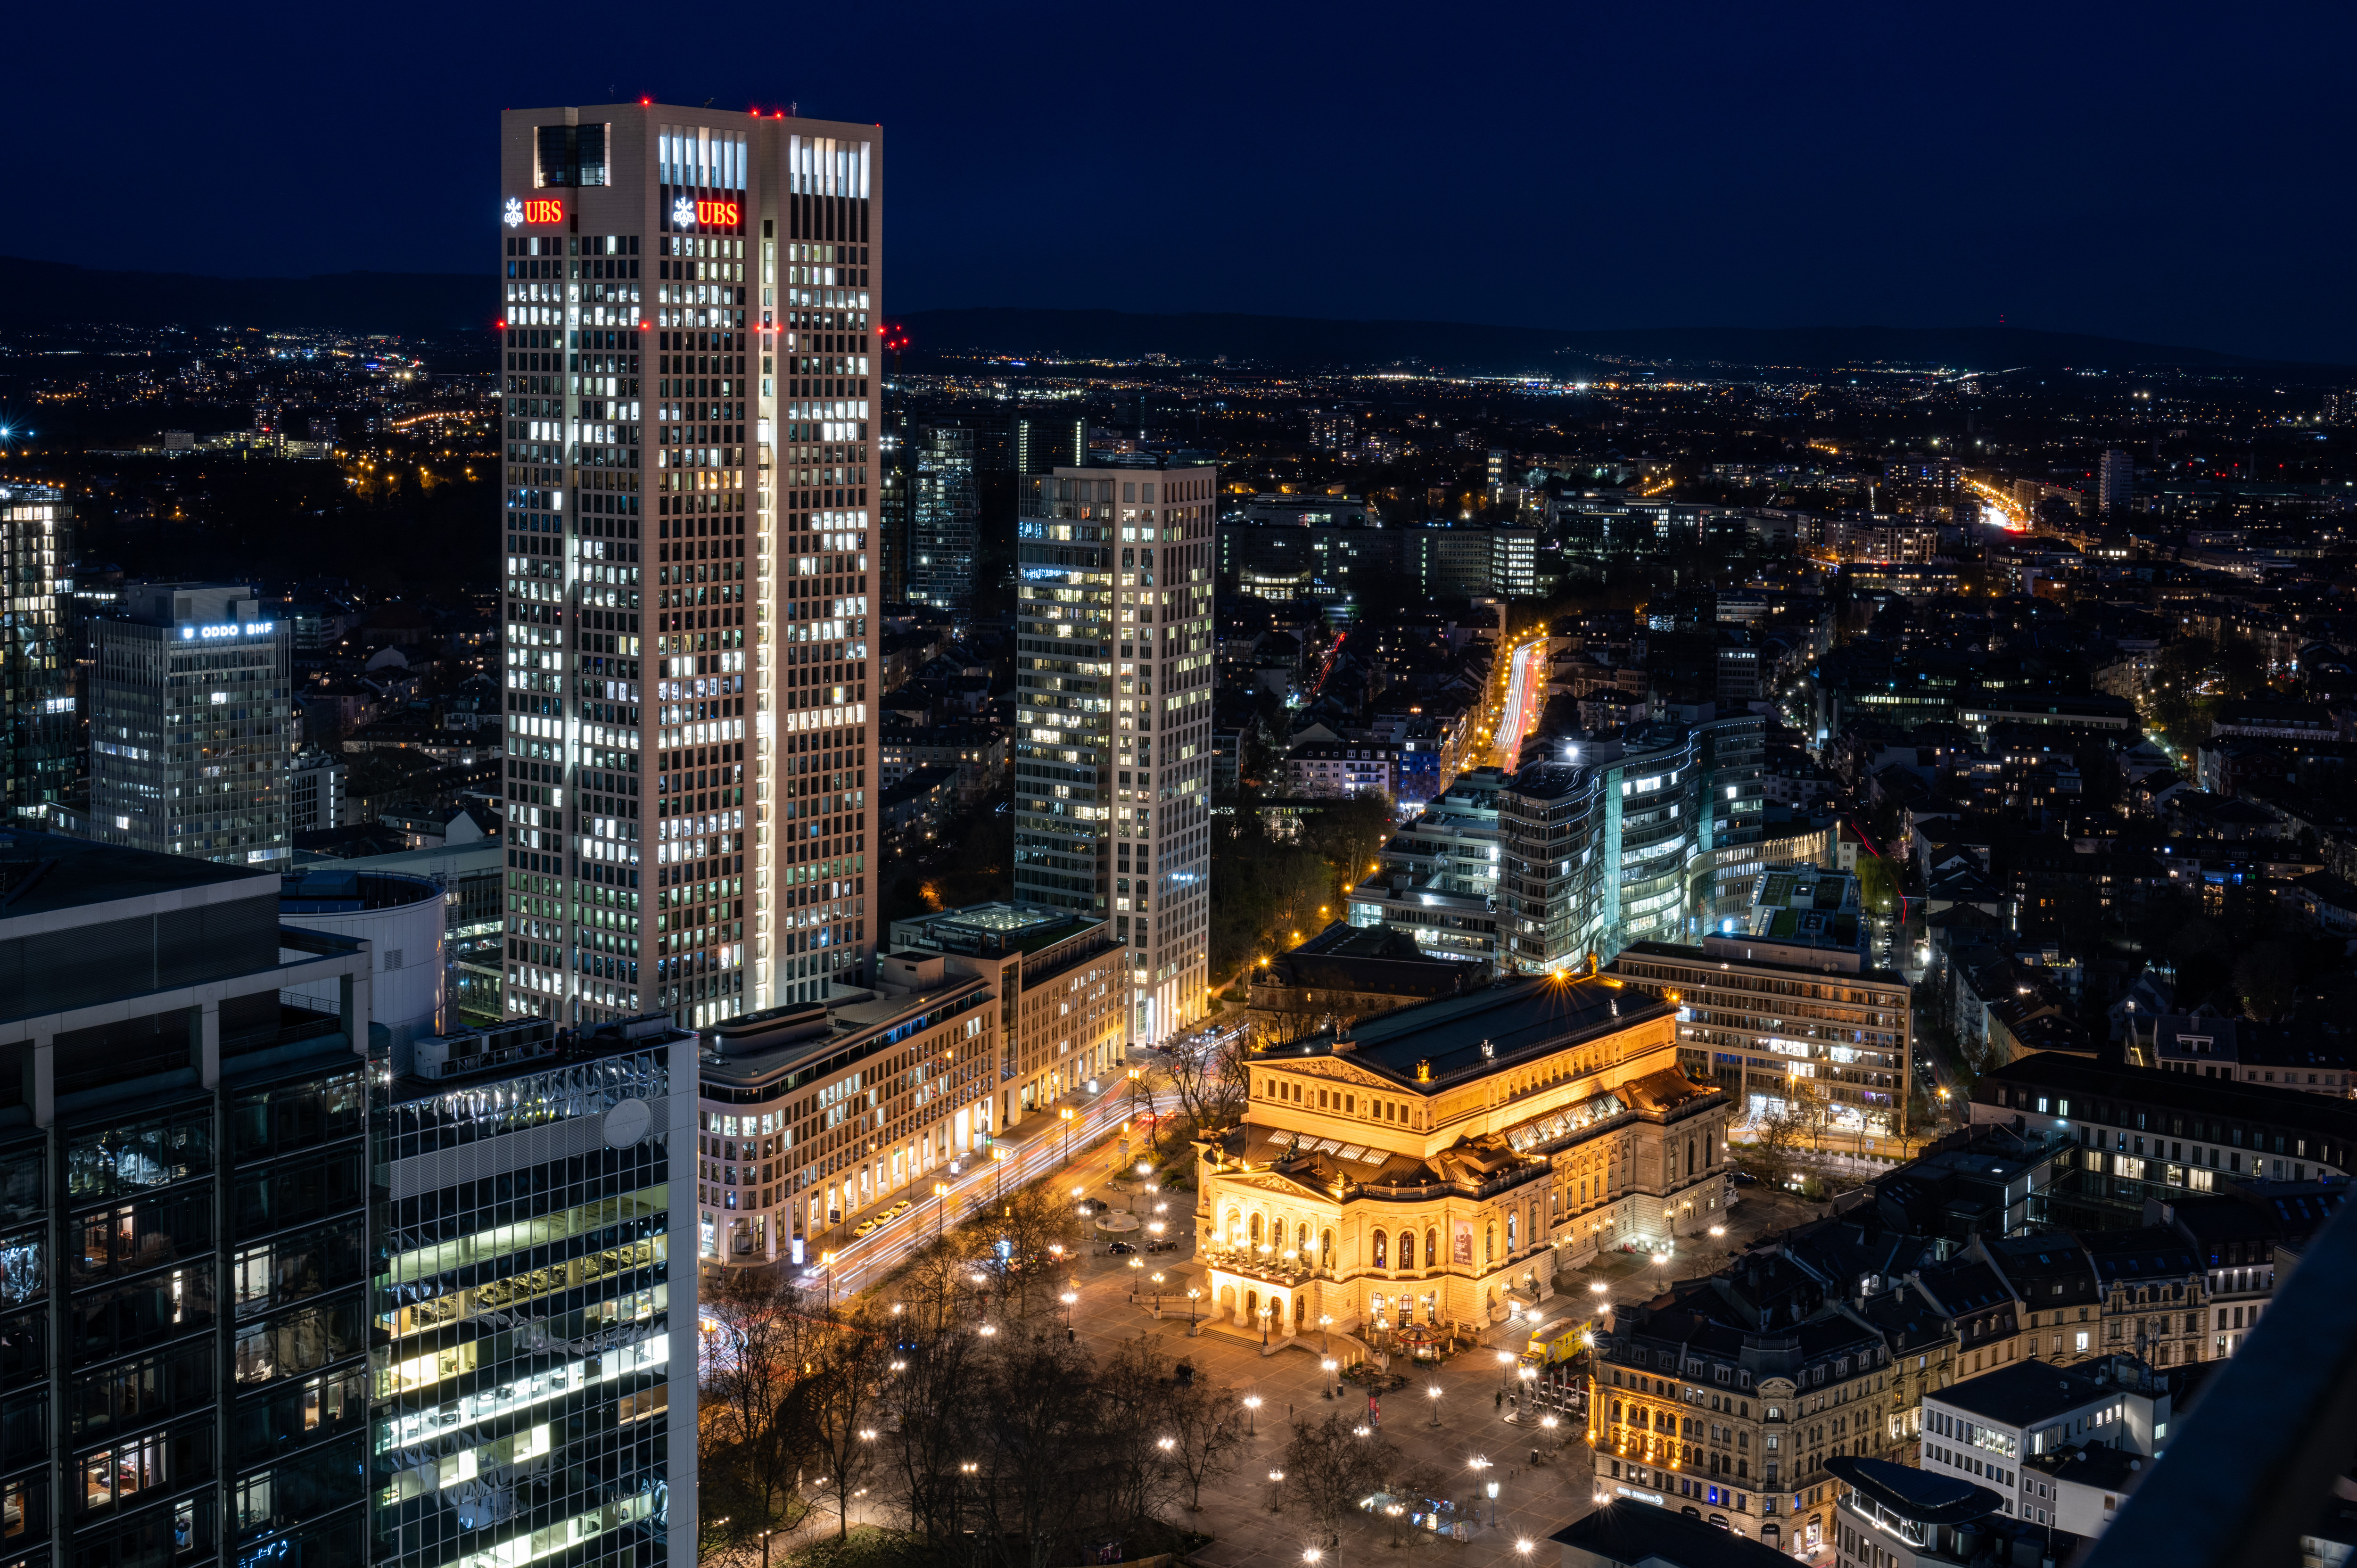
x=689, y=506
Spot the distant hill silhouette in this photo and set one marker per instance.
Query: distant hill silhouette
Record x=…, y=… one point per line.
x=52, y=294
x=1304, y=341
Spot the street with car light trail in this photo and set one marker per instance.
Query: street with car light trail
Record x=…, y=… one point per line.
x=1526, y=687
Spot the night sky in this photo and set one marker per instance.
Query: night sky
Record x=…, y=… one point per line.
x=2176, y=176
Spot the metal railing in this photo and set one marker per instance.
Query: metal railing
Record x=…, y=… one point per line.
x=2255, y=1466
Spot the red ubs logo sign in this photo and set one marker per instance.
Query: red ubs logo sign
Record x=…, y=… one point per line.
x=718, y=214
x=544, y=209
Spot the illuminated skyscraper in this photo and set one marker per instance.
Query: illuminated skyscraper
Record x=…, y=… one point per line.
x=691, y=556
x=39, y=736
x=943, y=511
x=1112, y=769
x=2115, y=483
x=191, y=724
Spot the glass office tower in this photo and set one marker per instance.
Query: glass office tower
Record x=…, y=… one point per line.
x=192, y=705
x=535, y=1384
x=183, y=1334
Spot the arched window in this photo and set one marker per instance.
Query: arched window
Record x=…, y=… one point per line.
x=1537, y=1230
x=1488, y=1241
x=1407, y=1249
x=1378, y=1252
x=1235, y=1230
x=1690, y=1154
x=1509, y=1235
x=1301, y=1239
x=1256, y=1230
x=1431, y=1249
x=1326, y=1248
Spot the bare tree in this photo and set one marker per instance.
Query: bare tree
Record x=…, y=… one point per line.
x=1209, y=1425
x=1775, y=1138
x=933, y=1282
x=756, y=1328
x=1210, y=1080
x=1042, y=1451
x=1329, y=1467
x=931, y=1439
x=838, y=1402
x=1021, y=1242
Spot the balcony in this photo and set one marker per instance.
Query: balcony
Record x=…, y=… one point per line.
x=1263, y=1264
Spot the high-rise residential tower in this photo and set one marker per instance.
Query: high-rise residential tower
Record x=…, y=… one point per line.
x=39, y=736
x=2115, y=483
x=690, y=310
x=1114, y=662
x=945, y=512
x=191, y=724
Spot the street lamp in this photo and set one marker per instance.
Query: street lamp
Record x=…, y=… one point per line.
x=1264, y=1326
x=1332, y=1388
x=1275, y=1480
x=1193, y=1295
x=1505, y=1360
x=1251, y=1406
x=1434, y=1392
x=1157, y=1296
x=941, y=1215
x=1070, y=1299
x=1325, y=1326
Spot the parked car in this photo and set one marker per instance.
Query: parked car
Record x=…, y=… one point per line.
x=1121, y=1249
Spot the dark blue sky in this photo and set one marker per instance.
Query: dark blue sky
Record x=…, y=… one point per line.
x=2175, y=175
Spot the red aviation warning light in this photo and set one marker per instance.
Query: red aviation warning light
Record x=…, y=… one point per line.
x=544, y=209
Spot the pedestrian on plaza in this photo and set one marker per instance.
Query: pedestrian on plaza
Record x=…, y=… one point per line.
x=1499, y=1401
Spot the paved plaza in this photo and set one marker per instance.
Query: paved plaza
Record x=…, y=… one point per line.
x=1533, y=1501
x=1462, y=1434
